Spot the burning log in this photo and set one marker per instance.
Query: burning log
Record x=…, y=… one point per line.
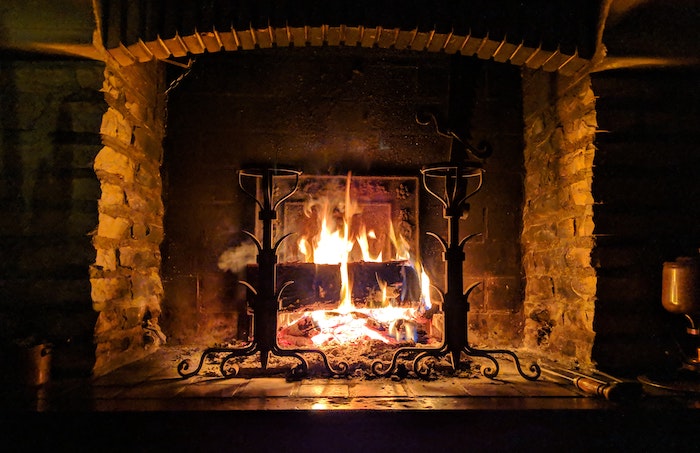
x=367, y=278
x=404, y=330
x=315, y=283
x=312, y=283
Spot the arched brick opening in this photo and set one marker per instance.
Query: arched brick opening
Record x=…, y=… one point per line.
x=482, y=47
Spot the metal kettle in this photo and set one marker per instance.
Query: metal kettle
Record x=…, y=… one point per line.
x=680, y=289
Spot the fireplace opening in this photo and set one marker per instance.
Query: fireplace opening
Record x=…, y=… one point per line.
x=347, y=118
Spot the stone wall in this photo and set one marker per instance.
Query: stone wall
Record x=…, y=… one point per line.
x=49, y=136
x=126, y=284
x=557, y=237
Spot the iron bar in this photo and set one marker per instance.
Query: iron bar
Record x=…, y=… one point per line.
x=455, y=189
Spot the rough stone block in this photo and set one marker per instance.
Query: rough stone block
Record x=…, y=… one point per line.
x=580, y=193
x=578, y=257
x=544, y=203
x=566, y=228
x=135, y=258
x=112, y=227
x=147, y=177
x=577, y=130
x=155, y=234
x=133, y=316
x=539, y=287
x=114, y=124
x=112, y=194
x=574, y=163
x=543, y=235
x=585, y=286
x=110, y=161
x=145, y=284
x=106, y=259
x=585, y=226
x=578, y=319
x=139, y=231
x=106, y=289
x=564, y=288
x=549, y=261
x=137, y=109
x=151, y=147
x=145, y=201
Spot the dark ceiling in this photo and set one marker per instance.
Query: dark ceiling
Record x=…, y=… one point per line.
x=569, y=25
x=636, y=32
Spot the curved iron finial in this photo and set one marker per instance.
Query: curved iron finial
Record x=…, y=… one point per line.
x=481, y=151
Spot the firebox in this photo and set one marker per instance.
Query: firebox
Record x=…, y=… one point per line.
x=354, y=121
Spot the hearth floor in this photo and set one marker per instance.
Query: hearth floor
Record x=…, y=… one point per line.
x=153, y=384
x=146, y=406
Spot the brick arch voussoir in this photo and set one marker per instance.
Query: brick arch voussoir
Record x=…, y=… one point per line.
x=232, y=40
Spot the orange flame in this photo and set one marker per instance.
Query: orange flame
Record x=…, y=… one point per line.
x=333, y=244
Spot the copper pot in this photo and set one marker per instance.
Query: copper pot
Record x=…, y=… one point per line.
x=680, y=293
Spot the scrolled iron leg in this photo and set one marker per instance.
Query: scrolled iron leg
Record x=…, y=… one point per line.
x=422, y=369
x=381, y=369
x=491, y=373
x=183, y=366
x=341, y=370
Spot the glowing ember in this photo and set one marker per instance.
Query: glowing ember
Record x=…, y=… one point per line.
x=390, y=325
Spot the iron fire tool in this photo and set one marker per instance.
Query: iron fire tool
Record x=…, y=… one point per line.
x=454, y=179
x=265, y=295
x=610, y=388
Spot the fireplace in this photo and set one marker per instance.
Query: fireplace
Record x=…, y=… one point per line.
x=187, y=113
x=331, y=112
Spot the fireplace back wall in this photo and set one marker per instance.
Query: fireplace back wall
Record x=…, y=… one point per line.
x=330, y=111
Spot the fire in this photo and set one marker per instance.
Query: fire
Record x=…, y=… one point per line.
x=389, y=325
x=331, y=247
x=363, y=241
x=340, y=233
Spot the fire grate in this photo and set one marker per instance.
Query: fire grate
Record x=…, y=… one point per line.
x=452, y=183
